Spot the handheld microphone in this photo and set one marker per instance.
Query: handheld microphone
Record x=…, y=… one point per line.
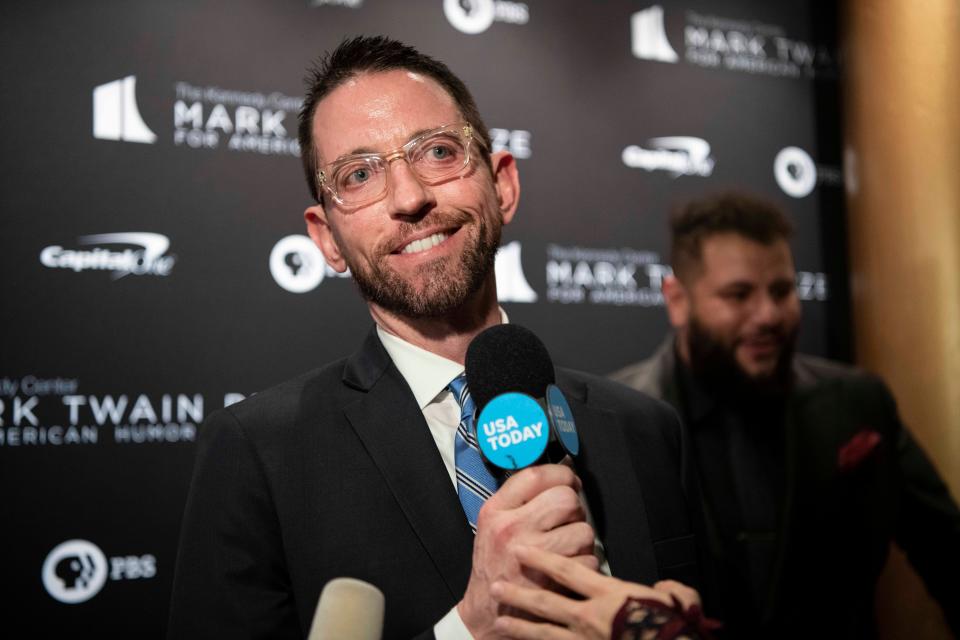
x=348, y=609
x=521, y=413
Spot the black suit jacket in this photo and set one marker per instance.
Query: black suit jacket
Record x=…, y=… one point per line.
x=335, y=473
x=838, y=518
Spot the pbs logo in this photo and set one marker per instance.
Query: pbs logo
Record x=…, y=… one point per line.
x=470, y=16
x=296, y=264
x=795, y=172
x=74, y=571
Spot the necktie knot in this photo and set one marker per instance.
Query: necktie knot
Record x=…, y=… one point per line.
x=458, y=387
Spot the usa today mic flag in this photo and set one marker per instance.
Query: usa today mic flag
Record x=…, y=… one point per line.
x=521, y=413
x=348, y=609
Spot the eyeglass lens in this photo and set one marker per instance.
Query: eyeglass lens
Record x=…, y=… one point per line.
x=432, y=158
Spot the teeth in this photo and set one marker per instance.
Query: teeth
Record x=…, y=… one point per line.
x=422, y=245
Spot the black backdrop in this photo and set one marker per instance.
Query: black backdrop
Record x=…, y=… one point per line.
x=178, y=120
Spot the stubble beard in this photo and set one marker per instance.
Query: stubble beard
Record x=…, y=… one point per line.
x=447, y=285
x=715, y=363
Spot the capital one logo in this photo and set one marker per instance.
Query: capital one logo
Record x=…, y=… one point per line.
x=795, y=172
x=149, y=257
x=677, y=155
x=74, y=571
x=512, y=285
x=115, y=113
x=649, y=37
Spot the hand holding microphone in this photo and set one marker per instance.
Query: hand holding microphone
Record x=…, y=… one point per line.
x=540, y=507
x=509, y=372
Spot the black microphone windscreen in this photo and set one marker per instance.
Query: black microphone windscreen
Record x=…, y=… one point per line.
x=507, y=357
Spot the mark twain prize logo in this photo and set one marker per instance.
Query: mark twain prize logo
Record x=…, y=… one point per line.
x=629, y=277
x=812, y=286
x=648, y=36
x=516, y=141
x=734, y=44
x=476, y=16
x=211, y=117
x=122, y=254
x=204, y=117
x=512, y=285
x=116, y=115
x=677, y=155
x=38, y=411
x=581, y=275
x=77, y=570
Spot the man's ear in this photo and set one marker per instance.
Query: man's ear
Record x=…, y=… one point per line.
x=319, y=229
x=677, y=299
x=506, y=181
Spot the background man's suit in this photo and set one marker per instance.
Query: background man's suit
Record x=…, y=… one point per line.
x=847, y=495
x=335, y=474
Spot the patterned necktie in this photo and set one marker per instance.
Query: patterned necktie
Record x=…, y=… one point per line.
x=475, y=483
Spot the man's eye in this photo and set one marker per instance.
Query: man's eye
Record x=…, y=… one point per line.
x=356, y=177
x=738, y=295
x=440, y=152
x=781, y=291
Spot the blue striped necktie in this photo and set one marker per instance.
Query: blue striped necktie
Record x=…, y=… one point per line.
x=475, y=483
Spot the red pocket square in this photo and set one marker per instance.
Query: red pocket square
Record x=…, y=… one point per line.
x=857, y=449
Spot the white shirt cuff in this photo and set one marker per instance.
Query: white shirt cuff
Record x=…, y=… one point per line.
x=451, y=627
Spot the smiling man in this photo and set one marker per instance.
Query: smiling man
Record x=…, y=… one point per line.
x=363, y=467
x=806, y=472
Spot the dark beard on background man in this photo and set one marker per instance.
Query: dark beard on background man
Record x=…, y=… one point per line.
x=715, y=366
x=446, y=289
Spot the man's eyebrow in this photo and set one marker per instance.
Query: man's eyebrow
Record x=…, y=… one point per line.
x=784, y=282
x=737, y=284
x=359, y=151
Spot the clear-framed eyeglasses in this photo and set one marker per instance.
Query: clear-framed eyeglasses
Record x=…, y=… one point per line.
x=434, y=156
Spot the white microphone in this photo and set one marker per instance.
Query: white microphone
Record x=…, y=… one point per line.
x=348, y=609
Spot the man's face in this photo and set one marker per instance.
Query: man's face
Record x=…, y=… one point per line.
x=421, y=250
x=741, y=310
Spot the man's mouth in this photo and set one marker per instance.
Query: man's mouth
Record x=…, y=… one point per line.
x=762, y=344
x=423, y=244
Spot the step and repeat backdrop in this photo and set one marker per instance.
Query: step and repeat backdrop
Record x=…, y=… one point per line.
x=155, y=264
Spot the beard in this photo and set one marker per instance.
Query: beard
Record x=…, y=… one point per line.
x=714, y=362
x=447, y=286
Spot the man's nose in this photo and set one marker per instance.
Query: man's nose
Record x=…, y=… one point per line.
x=768, y=311
x=408, y=194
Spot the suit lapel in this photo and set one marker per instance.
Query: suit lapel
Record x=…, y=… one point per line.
x=392, y=428
x=616, y=504
x=811, y=433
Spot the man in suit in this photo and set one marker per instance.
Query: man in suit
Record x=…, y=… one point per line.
x=354, y=469
x=807, y=473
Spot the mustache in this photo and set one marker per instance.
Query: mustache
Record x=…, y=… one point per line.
x=779, y=333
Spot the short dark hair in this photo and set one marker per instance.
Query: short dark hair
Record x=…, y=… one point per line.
x=727, y=212
x=374, y=54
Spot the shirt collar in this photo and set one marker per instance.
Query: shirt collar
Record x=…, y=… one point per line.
x=426, y=373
